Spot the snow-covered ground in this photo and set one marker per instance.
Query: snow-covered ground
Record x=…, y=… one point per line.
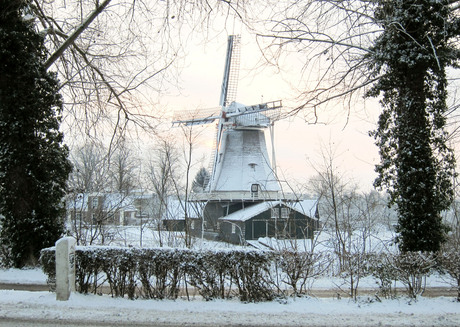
x=88, y=309
x=104, y=310
x=301, y=312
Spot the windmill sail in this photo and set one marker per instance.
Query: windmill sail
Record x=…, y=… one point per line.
x=231, y=72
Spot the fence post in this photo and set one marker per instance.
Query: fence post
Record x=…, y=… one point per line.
x=65, y=268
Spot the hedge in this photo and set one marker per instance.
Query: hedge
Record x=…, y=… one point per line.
x=160, y=273
x=250, y=275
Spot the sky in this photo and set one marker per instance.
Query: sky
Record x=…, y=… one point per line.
x=298, y=144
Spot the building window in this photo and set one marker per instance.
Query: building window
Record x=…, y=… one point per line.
x=95, y=202
x=192, y=225
x=284, y=212
x=233, y=228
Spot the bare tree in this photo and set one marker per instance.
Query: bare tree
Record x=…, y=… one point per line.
x=191, y=136
x=90, y=168
x=96, y=175
x=335, y=197
x=112, y=57
x=333, y=38
x=350, y=218
x=162, y=175
x=123, y=168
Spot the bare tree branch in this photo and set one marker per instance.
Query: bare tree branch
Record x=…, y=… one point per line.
x=71, y=39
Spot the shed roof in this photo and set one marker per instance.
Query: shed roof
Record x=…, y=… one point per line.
x=175, y=210
x=305, y=207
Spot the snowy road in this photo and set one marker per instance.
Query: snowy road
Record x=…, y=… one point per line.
x=21, y=308
x=40, y=308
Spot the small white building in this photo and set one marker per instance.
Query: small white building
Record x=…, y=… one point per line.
x=101, y=208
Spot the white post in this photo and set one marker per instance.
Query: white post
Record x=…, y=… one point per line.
x=65, y=268
x=122, y=217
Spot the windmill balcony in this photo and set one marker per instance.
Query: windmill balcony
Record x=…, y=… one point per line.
x=243, y=196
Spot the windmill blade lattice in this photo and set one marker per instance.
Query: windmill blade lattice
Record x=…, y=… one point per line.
x=231, y=72
x=203, y=116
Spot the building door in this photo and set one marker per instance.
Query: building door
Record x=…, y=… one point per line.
x=259, y=229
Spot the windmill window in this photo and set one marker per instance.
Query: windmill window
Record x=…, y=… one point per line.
x=95, y=202
x=233, y=229
x=255, y=191
x=253, y=166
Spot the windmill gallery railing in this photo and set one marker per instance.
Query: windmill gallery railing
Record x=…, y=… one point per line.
x=243, y=196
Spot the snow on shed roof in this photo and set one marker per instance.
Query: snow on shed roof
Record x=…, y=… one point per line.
x=306, y=207
x=249, y=212
x=175, y=209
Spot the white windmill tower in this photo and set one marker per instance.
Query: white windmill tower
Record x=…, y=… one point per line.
x=240, y=170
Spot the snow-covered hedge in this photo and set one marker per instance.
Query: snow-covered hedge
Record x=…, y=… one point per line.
x=161, y=273
x=250, y=275
x=409, y=268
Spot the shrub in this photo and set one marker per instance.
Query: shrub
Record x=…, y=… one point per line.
x=209, y=273
x=251, y=273
x=383, y=269
x=449, y=262
x=298, y=267
x=412, y=268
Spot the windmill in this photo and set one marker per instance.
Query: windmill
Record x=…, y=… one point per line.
x=239, y=167
x=243, y=200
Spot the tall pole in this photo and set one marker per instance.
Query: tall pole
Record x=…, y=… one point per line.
x=272, y=134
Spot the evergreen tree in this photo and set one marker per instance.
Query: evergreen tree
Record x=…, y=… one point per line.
x=417, y=166
x=33, y=162
x=201, y=180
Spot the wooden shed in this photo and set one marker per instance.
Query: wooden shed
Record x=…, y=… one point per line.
x=279, y=219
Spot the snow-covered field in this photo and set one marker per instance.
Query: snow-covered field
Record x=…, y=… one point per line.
x=92, y=309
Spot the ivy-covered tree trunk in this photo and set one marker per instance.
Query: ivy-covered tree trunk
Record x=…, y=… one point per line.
x=33, y=162
x=417, y=166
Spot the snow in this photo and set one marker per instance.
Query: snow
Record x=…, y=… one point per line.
x=314, y=311
x=243, y=160
x=87, y=309
x=249, y=212
x=318, y=312
x=24, y=276
x=306, y=207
